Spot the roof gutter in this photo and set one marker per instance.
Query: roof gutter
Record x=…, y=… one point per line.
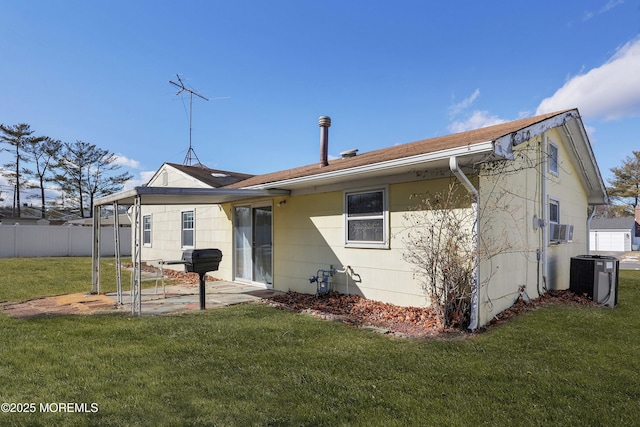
x=475, y=285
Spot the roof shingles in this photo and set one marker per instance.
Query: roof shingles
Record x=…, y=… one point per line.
x=426, y=146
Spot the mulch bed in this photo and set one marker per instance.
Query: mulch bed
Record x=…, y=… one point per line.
x=409, y=322
x=178, y=276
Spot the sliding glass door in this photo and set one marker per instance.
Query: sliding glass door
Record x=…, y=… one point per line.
x=253, y=244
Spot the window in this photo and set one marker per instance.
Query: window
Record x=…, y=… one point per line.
x=554, y=211
x=553, y=158
x=146, y=230
x=188, y=221
x=366, y=222
x=555, y=228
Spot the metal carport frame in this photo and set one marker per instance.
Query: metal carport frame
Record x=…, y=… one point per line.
x=139, y=196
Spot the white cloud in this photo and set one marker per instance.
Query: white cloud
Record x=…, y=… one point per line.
x=125, y=161
x=456, y=109
x=611, y=91
x=137, y=181
x=607, y=7
x=610, y=5
x=478, y=119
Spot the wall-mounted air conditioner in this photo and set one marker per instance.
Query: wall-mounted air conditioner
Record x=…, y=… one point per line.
x=561, y=233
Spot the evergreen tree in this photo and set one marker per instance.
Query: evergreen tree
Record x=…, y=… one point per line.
x=87, y=173
x=625, y=185
x=43, y=153
x=17, y=137
x=99, y=179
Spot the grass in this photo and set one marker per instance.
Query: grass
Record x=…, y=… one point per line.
x=256, y=365
x=27, y=278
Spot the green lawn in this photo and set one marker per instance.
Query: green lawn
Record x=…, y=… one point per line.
x=256, y=365
x=26, y=278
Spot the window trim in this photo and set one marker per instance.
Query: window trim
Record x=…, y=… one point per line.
x=554, y=159
x=150, y=242
x=384, y=243
x=553, y=223
x=182, y=229
x=555, y=202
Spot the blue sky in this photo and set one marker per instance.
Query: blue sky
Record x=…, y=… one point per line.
x=387, y=72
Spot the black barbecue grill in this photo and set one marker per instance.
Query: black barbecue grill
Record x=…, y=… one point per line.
x=201, y=261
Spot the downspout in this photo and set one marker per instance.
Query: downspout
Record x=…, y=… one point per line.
x=475, y=285
x=544, y=210
x=593, y=212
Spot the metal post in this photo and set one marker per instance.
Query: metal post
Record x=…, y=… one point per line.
x=116, y=240
x=203, y=295
x=95, y=252
x=136, y=278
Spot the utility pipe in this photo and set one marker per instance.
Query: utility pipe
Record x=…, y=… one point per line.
x=475, y=286
x=544, y=210
x=593, y=212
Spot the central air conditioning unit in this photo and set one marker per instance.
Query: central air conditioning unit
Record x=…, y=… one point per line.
x=561, y=232
x=596, y=277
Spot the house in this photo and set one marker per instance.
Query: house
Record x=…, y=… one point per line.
x=532, y=183
x=615, y=234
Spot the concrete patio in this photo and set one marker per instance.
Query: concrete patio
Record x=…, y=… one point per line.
x=175, y=299
x=186, y=297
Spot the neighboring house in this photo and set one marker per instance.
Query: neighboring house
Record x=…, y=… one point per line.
x=615, y=234
x=533, y=180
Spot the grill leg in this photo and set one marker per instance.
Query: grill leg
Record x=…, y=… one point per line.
x=202, y=292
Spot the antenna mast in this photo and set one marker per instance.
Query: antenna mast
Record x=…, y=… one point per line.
x=191, y=154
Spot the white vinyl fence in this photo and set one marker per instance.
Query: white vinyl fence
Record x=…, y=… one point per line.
x=56, y=240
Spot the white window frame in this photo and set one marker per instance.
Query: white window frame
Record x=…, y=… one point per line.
x=554, y=160
x=384, y=216
x=553, y=222
x=554, y=202
x=183, y=229
x=144, y=231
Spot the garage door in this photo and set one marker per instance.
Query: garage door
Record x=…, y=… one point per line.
x=607, y=241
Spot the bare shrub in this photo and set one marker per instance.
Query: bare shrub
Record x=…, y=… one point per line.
x=439, y=246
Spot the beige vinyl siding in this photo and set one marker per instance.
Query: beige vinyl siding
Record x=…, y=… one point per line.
x=309, y=234
x=509, y=222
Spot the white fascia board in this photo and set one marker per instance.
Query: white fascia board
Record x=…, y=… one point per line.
x=352, y=173
x=187, y=195
x=592, y=171
x=156, y=174
x=120, y=197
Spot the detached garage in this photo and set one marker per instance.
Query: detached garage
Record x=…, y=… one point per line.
x=612, y=234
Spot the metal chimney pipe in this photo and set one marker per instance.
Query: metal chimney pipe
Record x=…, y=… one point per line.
x=324, y=122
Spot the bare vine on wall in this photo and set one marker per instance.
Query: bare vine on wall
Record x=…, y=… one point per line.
x=441, y=245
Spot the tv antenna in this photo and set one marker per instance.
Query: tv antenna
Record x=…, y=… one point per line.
x=191, y=154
